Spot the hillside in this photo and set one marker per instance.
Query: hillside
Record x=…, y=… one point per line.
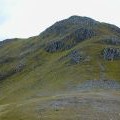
x=73, y=55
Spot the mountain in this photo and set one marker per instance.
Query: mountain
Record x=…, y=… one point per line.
x=73, y=55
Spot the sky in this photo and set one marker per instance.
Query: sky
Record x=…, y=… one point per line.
x=26, y=18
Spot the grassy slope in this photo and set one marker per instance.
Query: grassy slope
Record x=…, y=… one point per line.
x=45, y=75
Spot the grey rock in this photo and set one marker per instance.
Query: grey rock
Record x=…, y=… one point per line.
x=83, y=33
x=76, y=57
x=112, y=40
x=54, y=46
x=111, y=53
x=70, y=40
x=19, y=67
x=82, y=21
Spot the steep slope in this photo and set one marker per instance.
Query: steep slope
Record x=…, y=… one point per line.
x=77, y=53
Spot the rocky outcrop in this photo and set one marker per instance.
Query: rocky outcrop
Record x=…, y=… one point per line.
x=111, y=40
x=70, y=40
x=111, y=53
x=83, y=33
x=19, y=67
x=54, y=46
x=76, y=57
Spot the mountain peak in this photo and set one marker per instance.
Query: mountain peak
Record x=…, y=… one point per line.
x=69, y=24
x=82, y=20
x=79, y=17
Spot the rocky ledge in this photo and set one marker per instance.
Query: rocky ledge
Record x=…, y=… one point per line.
x=111, y=53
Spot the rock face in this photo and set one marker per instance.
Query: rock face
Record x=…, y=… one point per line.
x=111, y=53
x=76, y=57
x=112, y=40
x=54, y=46
x=83, y=33
x=70, y=40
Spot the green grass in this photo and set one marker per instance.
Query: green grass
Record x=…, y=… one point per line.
x=46, y=74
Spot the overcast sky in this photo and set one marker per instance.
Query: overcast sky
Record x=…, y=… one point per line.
x=25, y=18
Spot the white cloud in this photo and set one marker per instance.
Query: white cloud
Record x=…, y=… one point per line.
x=24, y=18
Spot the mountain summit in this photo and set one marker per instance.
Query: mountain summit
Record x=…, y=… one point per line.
x=63, y=26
